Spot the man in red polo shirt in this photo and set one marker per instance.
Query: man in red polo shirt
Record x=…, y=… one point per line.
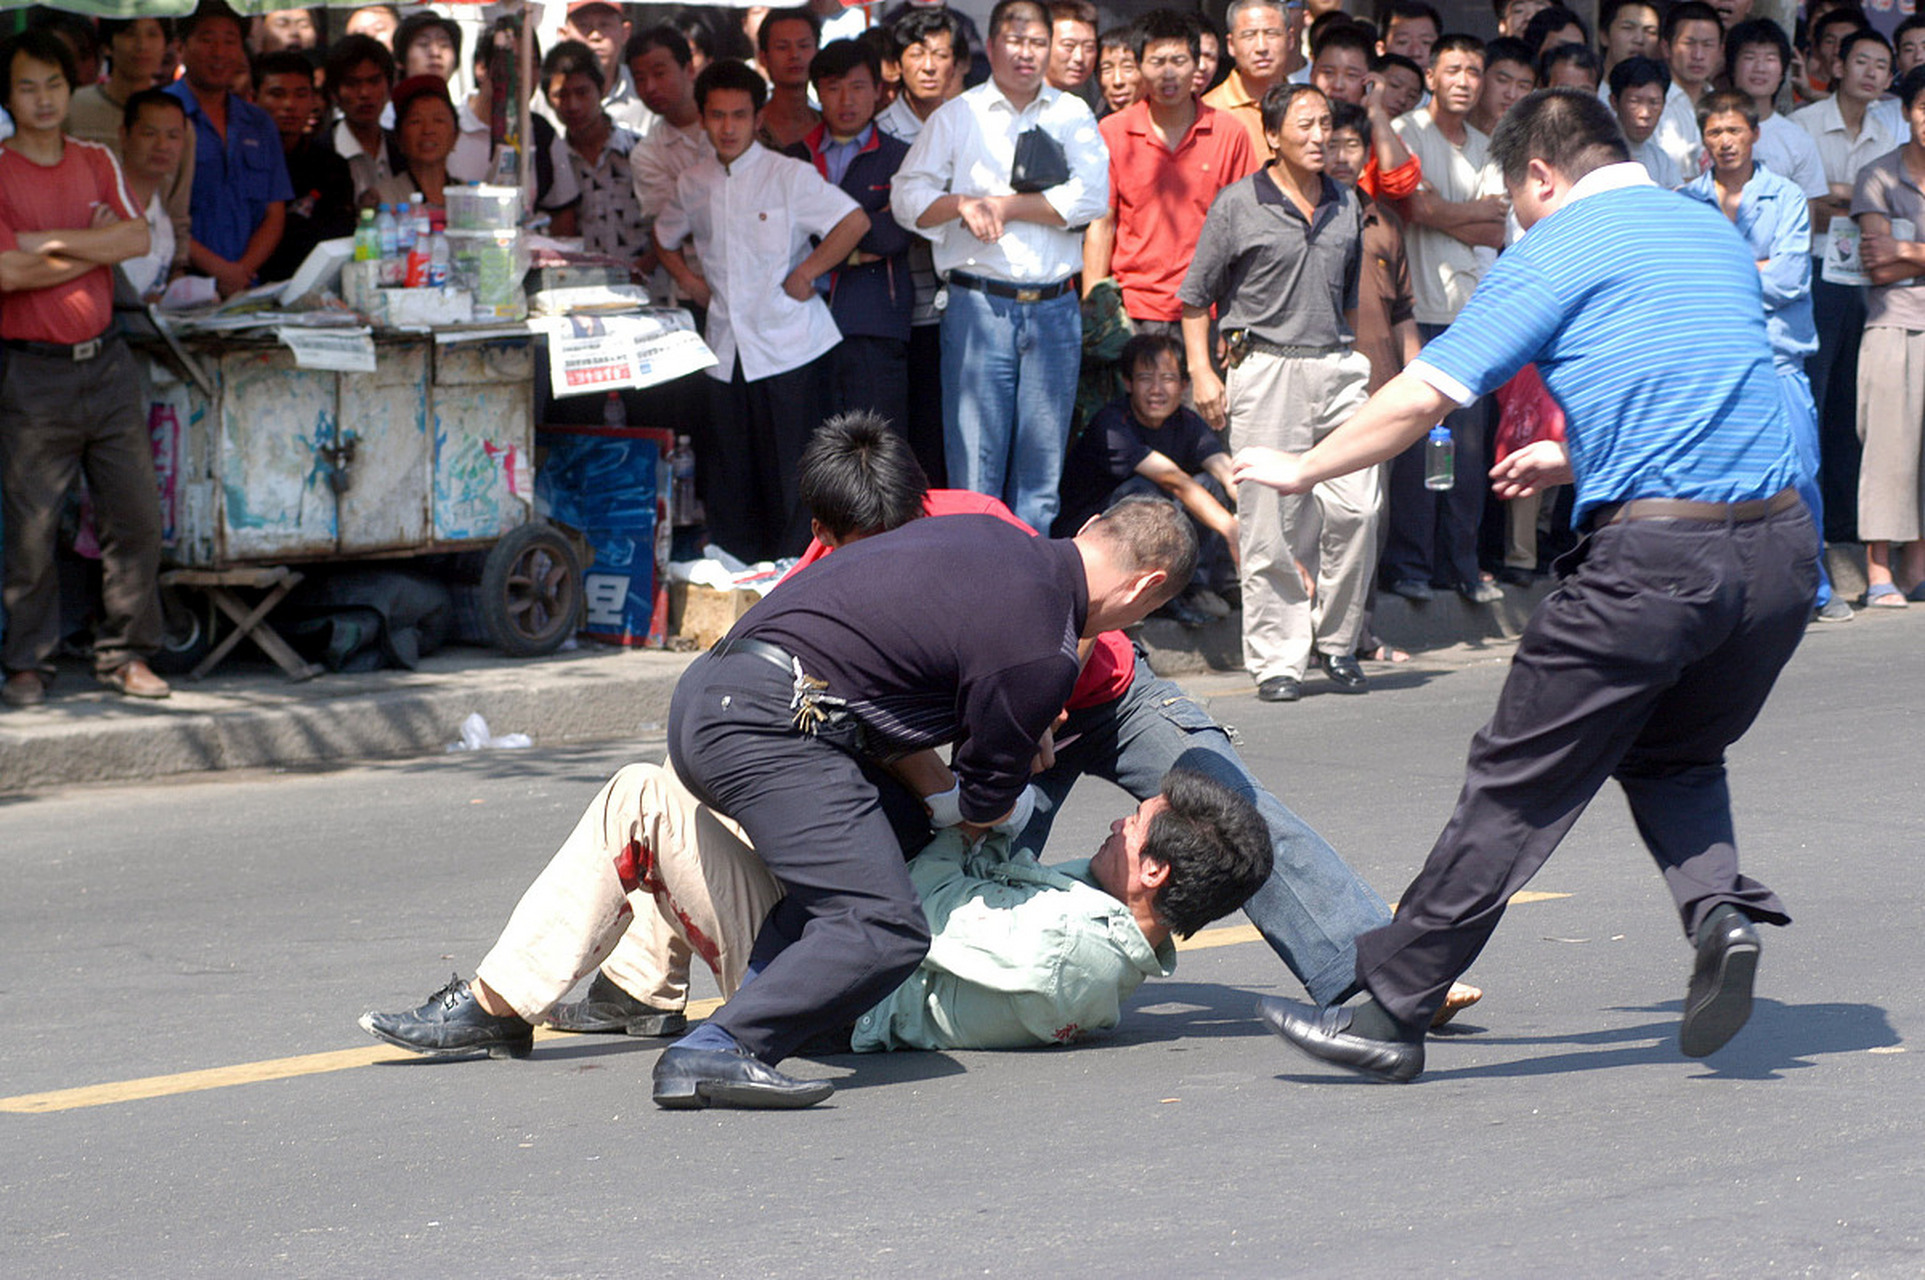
x=1169, y=156
x=70, y=402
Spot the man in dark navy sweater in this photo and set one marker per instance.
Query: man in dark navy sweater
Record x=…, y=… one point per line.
x=959, y=630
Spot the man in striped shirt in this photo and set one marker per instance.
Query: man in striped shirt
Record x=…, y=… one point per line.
x=1644, y=313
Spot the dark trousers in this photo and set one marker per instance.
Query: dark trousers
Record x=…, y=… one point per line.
x=59, y=420
x=1838, y=311
x=760, y=428
x=873, y=374
x=849, y=927
x=1433, y=534
x=1650, y=658
x=925, y=402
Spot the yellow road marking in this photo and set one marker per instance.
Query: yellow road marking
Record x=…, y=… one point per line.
x=314, y=1064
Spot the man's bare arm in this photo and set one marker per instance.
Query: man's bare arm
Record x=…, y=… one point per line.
x=1393, y=419
x=21, y=270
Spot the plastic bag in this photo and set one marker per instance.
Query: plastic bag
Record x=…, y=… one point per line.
x=1527, y=413
x=475, y=736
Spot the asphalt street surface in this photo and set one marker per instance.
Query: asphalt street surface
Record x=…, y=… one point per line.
x=184, y=1092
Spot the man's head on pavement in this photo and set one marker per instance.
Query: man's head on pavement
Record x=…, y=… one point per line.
x=1191, y=854
x=859, y=478
x=1549, y=141
x=1136, y=557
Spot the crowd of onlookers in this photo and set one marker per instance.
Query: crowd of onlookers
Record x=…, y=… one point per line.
x=1072, y=263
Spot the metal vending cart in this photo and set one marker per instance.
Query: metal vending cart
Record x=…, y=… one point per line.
x=267, y=466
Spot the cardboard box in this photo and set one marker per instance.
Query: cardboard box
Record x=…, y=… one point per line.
x=704, y=615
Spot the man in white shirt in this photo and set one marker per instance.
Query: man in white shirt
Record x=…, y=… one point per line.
x=360, y=75
x=1012, y=332
x=1694, y=40
x=151, y=146
x=1639, y=89
x=1456, y=211
x=1759, y=57
x=660, y=61
x=752, y=214
x=1849, y=136
x=601, y=27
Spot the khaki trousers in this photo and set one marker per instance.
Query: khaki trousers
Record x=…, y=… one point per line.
x=1290, y=403
x=649, y=877
x=1891, y=424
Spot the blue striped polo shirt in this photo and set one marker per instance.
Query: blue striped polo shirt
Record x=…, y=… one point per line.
x=1643, y=312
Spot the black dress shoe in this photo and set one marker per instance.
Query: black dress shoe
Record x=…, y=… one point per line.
x=1280, y=689
x=1719, y=999
x=452, y=1024
x=608, y=1008
x=1412, y=589
x=1512, y=576
x=1324, y=1034
x=1344, y=672
x=687, y=1079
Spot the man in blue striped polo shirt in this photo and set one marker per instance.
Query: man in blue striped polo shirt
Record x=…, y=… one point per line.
x=1642, y=310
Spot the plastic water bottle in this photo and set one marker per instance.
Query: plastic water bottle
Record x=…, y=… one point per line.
x=681, y=466
x=367, y=240
x=1440, y=458
x=387, y=238
x=614, y=412
x=440, y=260
x=404, y=221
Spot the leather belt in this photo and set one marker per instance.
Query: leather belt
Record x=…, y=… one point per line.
x=1686, y=509
x=770, y=653
x=77, y=352
x=1004, y=289
x=1265, y=347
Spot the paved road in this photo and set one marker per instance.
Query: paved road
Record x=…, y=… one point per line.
x=151, y=931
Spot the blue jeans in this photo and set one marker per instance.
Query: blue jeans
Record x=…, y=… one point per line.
x=1312, y=907
x=1802, y=412
x=1008, y=386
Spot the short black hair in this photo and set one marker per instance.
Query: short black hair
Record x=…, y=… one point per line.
x=1123, y=37
x=1348, y=115
x=1690, y=11
x=1553, y=18
x=1720, y=101
x=840, y=57
x=799, y=13
x=1456, y=42
x=1159, y=25
x=1608, y=12
x=1859, y=37
x=1277, y=99
x=880, y=42
x=1408, y=10
x=1150, y=533
x=572, y=58
x=913, y=26
x=1004, y=13
x=130, y=114
x=111, y=28
x=1568, y=129
x=281, y=62
x=1637, y=71
x=41, y=45
x=1910, y=85
x=414, y=24
x=727, y=73
x=1844, y=15
x=1756, y=31
x=1509, y=49
x=1581, y=56
x=1145, y=347
x=1914, y=23
x=1385, y=61
x=660, y=36
x=858, y=476
x=349, y=52
x=209, y=11
x=1345, y=35
x=696, y=30
x=1216, y=846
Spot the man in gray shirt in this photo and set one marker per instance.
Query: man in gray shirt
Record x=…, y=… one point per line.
x=1279, y=258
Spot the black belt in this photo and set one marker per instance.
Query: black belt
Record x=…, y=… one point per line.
x=1004, y=289
x=1746, y=512
x=77, y=352
x=762, y=649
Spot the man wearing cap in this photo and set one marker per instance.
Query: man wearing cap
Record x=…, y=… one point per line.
x=601, y=27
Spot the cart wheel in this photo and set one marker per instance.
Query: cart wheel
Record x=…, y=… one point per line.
x=187, y=634
x=531, y=591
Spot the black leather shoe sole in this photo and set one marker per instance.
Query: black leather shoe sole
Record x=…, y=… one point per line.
x=705, y=1078
x=1322, y=1034
x=1344, y=673
x=1280, y=689
x=1719, y=1000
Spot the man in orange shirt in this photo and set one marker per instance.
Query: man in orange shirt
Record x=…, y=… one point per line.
x=70, y=402
x=1169, y=156
x=1265, y=40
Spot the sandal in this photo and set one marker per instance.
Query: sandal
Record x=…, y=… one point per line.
x=1884, y=595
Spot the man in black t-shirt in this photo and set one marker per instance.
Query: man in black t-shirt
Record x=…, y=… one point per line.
x=1150, y=444
x=323, y=204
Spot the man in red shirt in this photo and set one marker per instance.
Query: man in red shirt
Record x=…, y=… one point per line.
x=1169, y=156
x=70, y=402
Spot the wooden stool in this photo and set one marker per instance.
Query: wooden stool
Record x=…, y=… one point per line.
x=249, y=623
